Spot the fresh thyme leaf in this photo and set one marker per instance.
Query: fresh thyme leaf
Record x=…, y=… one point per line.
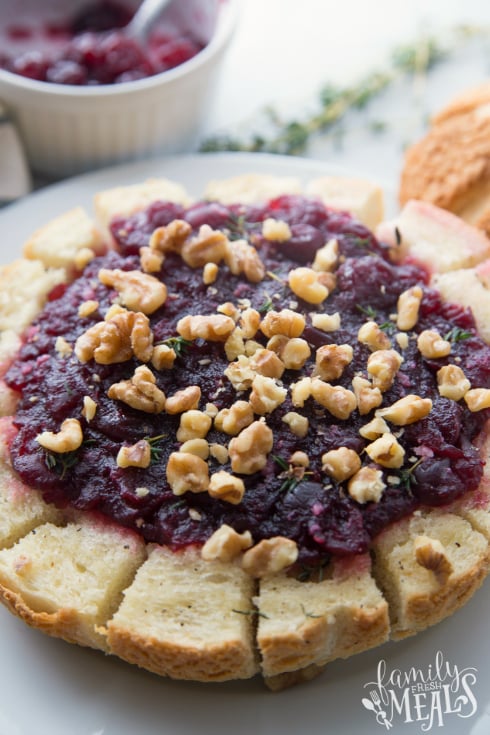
x=407, y=478
x=388, y=326
x=61, y=463
x=361, y=242
x=281, y=462
x=456, y=334
x=155, y=451
x=250, y=612
x=289, y=484
x=367, y=310
x=266, y=306
x=308, y=614
x=178, y=344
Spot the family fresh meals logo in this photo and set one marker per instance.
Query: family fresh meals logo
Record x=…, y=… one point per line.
x=425, y=696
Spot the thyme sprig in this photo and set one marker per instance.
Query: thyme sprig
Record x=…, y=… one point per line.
x=178, y=344
x=155, y=450
x=292, y=136
x=61, y=463
x=456, y=334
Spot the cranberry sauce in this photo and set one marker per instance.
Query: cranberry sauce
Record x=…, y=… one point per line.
x=90, y=50
x=318, y=513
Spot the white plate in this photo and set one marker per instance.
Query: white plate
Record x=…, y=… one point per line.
x=49, y=687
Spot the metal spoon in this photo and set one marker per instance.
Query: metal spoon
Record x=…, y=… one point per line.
x=147, y=13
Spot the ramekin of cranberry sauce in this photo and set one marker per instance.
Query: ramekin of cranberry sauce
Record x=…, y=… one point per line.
x=89, y=47
x=336, y=344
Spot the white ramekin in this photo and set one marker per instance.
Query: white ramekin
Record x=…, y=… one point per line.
x=68, y=129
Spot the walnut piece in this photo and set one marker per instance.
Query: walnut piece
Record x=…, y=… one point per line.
x=232, y=420
x=226, y=544
x=138, y=291
x=367, y=397
x=374, y=428
x=371, y=335
x=408, y=308
x=241, y=257
x=139, y=392
x=386, y=451
x=225, y=486
x=327, y=257
x=208, y=246
x=276, y=230
x=339, y=401
x=136, y=455
x=286, y=322
x=187, y=473
x=67, y=439
x=171, y=237
x=382, y=366
x=307, y=284
x=407, y=410
x=240, y=373
x=194, y=424
x=326, y=322
x=117, y=339
x=366, y=485
x=265, y=362
x=211, y=327
x=293, y=352
x=431, y=345
x=452, y=382
x=477, y=399
x=89, y=408
x=183, y=400
x=297, y=423
x=270, y=556
x=197, y=446
x=248, y=451
x=431, y=554
x=163, y=357
x=331, y=361
x=341, y=463
x=210, y=273
x=266, y=395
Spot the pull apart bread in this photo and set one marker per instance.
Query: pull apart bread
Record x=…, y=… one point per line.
x=244, y=438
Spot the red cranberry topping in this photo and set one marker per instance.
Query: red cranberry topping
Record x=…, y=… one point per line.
x=318, y=513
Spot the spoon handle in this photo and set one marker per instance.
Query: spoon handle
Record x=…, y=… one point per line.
x=145, y=16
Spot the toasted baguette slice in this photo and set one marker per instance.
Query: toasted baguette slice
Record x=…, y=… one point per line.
x=125, y=200
x=60, y=241
x=417, y=594
x=187, y=618
x=305, y=623
x=468, y=287
x=24, y=287
x=360, y=197
x=67, y=581
x=251, y=188
x=436, y=238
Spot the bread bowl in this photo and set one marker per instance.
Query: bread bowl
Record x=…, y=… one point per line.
x=301, y=625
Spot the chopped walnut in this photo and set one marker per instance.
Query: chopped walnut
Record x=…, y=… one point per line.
x=226, y=544
x=402, y=340
x=151, y=260
x=199, y=447
x=67, y=439
x=374, y=428
x=270, y=556
x=229, y=309
x=211, y=327
x=89, y=408
x=138, y=291
x=83, y=257
x=219, y=453
x=117, y=339
x=187, y=473
x=276, y=230
x=235, y=345
x=452, y=382
x=62, y=347
x=194, y=424
x=293, y=352
x=137, y=455
x=300, y=392
x=266, y=362
x=87, y=308
x=286, y=322
x=408, y=308
x=139, y=392
x=171, y=237
x=327, y=257
x=297, y=423
x=331, y=361
x=163, y=357
x=250, y=322
x=431, y=345
x=339, y=401
x=366, y=485
x=232, y=420
x=367, y=397
x=407, y=410
x=382, y=366
x=266, y=395
x=341, y=463
x=210, y=273
x=225, y=486
x=248, y=451
x=326, y=322
x=306, y=283
x=371, y=335
x=183, y=400
x=240, y=373
x=208, y=246
x=431, y=554
x=477, y=399
x=386, y=451
x=241, y=257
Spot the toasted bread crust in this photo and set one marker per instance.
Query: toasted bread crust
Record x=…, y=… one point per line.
x=209, y=621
